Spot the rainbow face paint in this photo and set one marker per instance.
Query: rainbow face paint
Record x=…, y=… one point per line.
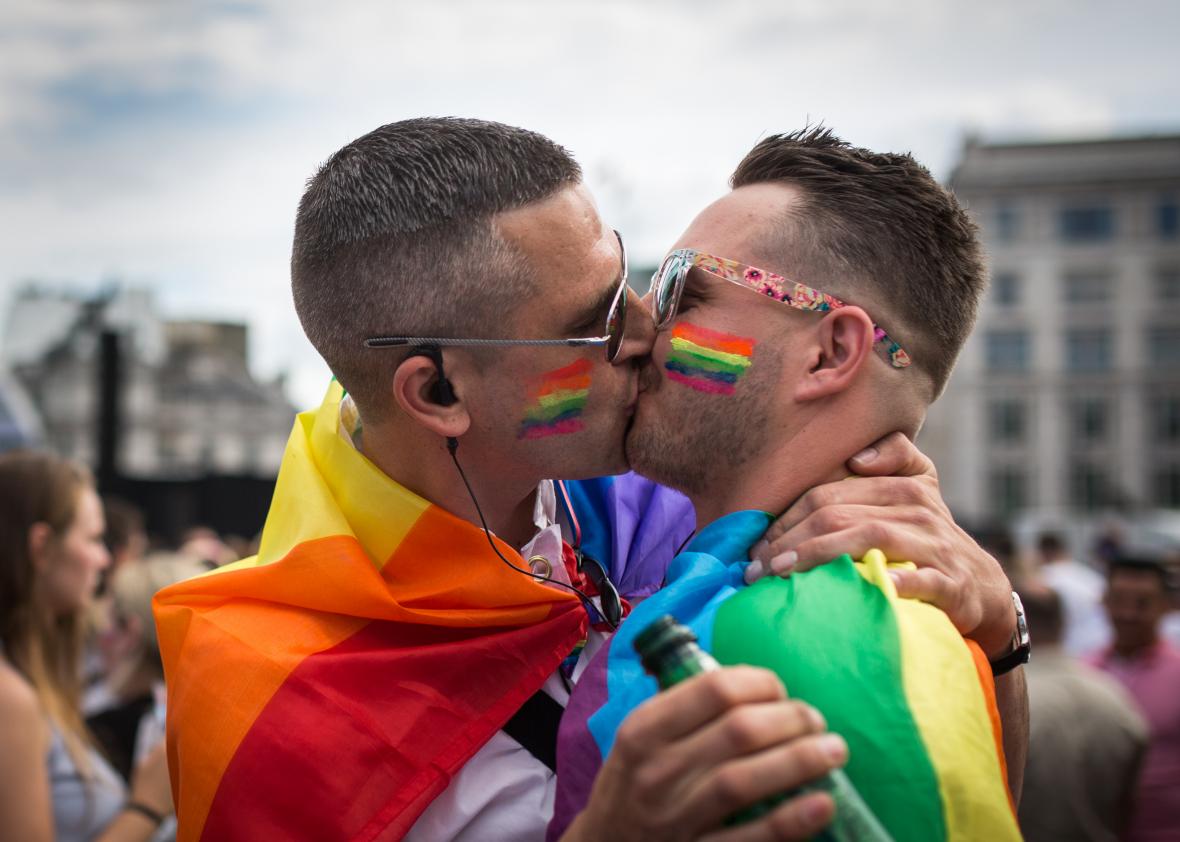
x=707, y=360
x=557, y=402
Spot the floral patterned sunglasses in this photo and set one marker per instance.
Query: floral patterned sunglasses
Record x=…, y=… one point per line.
x=668, y=283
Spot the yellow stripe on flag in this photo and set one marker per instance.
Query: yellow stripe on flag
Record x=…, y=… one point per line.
x=325, y=476
x=959, y=742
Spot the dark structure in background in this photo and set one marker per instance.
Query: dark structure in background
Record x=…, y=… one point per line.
x=107, y=469
x=166, y=412
x=230, y=505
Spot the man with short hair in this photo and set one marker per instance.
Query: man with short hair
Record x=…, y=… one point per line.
x=381, y=668
x=1148, y=667
x=812, y=310
x=867, y=227
x=1080, y=587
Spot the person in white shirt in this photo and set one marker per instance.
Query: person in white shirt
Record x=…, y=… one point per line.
x=1081, y=589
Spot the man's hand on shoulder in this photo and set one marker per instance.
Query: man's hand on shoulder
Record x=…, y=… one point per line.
x=690, y=757
x=894, y=504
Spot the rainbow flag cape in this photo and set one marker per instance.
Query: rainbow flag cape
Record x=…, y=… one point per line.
x=914, y=700
x=632, y=526
x=330, y=687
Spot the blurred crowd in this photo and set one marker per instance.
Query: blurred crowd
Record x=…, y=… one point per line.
x=81, y=682
x=1104, y=689
x=82, y=695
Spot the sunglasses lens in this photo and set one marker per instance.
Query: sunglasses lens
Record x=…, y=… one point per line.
x=608, y=595
x=665, y=285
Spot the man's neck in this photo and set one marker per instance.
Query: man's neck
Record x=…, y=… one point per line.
x=773, y=482
x=811, y=447
x=421, y=463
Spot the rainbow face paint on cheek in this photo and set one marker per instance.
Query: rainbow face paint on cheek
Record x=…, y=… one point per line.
x=708, y=360
x=557, y=402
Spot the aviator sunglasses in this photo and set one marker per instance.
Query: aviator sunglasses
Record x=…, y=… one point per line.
x=612, y=340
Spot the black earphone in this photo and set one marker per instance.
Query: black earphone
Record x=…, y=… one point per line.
x=441, y=391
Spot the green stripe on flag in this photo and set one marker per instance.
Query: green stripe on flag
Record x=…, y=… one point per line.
x=832, y=638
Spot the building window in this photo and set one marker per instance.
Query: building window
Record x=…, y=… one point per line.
x=1088, y=487
x=1165, y=419
x=1006, y=288
x=1087, y=350
x=1087, y=286
x=1167, y=283
x=1087, y=224
x=1007, y=421
x=1163, y=347
x=1089, y=419
x=1007, y=350
x=1167, y=486
x=1007, y=222
x=1008, y=490
x=1167, y=219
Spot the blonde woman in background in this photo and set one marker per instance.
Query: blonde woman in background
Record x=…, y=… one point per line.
x=132, y=721
x=53, y=783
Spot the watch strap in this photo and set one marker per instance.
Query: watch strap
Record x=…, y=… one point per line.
x=1021, y=643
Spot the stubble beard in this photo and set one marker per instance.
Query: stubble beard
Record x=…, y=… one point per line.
x=698, y=439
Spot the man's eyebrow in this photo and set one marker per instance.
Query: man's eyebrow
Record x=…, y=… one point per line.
x=598, y=309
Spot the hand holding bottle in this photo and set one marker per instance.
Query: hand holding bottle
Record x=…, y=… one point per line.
x=713, y=745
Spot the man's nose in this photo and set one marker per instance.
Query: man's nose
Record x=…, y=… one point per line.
x=639, y=335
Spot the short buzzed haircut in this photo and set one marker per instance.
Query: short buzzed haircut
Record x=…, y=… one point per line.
x=879, y=222
x=1140, y=566
x=394, y=236
x=1051, y=544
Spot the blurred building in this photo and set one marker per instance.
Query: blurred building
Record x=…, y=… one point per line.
x=20, y=425
x=186, y=403
x=1066, y=399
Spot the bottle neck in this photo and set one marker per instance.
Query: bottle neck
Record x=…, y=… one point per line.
x=682, y=663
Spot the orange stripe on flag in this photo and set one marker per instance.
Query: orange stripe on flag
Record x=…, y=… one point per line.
x=988, y=682
x=237, y=638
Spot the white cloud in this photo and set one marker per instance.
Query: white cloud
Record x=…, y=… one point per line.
x=170, y=142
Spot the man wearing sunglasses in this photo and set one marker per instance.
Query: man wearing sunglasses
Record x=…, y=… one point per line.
x=385, y=665
x=760, y=386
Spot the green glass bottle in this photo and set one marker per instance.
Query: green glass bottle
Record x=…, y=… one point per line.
x=669, y=652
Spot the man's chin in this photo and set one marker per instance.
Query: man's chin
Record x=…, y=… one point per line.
x=607, y=457
x=637, y=449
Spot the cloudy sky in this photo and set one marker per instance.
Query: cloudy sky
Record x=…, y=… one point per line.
x=166, y=144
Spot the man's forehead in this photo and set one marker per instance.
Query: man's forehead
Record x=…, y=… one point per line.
x=745, y=224
x=557, y=227
x=571, y=253
x=1145, y=578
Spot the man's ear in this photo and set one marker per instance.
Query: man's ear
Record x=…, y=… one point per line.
x=415, y=390
x=843, y=342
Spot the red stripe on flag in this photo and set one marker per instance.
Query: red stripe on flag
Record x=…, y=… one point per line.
x=361, y=737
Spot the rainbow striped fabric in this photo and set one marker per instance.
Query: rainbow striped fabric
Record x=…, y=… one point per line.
x=707, y=360
x=915, y=702
x=329, y=687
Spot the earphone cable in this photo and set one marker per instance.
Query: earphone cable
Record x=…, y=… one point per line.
x=452, y=447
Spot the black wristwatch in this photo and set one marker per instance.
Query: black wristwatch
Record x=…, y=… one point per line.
x=1021, y=645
